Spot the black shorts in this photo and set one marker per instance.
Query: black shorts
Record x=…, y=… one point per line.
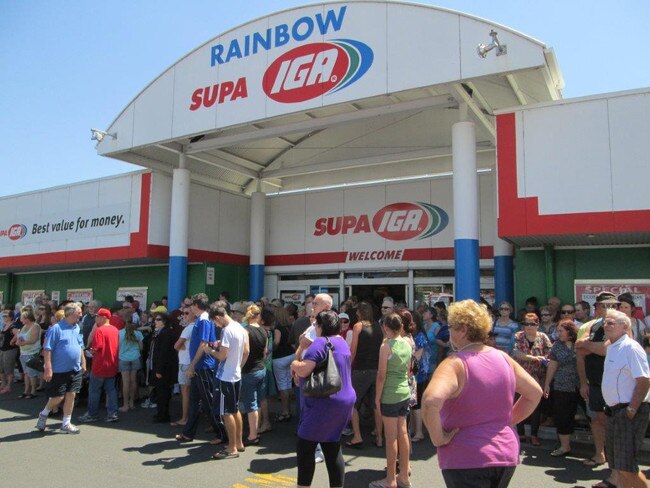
x=400, y=409
x=62, y=383
x=226, y=397
x=596, y=400
x=363, y=382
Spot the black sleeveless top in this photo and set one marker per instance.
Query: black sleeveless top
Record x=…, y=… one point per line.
x=370, y=339
x=284, y=349
x=594, y=363
x=257, y=343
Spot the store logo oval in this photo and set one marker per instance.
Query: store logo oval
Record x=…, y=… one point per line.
x=405, y=220
x=17, y=231
x=316, y=69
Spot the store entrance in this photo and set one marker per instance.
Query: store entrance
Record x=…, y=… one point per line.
x=375, y=293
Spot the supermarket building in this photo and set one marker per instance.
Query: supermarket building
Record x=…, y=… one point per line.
x=367, y=148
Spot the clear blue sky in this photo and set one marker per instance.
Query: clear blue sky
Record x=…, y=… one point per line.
x=66, y=66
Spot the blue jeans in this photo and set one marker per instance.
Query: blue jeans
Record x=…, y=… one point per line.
x=97, y=384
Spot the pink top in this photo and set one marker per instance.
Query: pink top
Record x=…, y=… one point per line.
x=483, y=411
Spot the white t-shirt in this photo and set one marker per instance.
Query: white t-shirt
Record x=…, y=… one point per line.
x=233, y=337
x=184, y=354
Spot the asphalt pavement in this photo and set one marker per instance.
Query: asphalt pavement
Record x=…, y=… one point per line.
x=135, y=452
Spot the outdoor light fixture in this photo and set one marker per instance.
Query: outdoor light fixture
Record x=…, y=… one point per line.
x=483, y=49
x=98, y=135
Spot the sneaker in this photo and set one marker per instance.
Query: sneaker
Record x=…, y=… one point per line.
x=69, y=429
x=319, y=458
x=347, y=431
x=87, y=418
x=111, y=418
x=146, y=403
x=42, y=421
x=153, y=405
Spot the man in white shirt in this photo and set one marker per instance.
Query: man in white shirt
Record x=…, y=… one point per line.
x=232, y=351
x=625, y=386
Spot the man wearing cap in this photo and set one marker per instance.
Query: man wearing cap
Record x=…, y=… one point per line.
x=64, y=366
x=626, y=381
x=104, y=347
x=238, y=311
x=590, y=358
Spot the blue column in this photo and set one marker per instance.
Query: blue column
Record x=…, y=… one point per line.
x=257, y=246
x=504, y=290
x=178, y=236
x=466, y=212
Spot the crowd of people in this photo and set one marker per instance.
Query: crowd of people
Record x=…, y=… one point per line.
x=409, y=373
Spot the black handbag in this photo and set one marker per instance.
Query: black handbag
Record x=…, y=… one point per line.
x=325, y=380
x=36, y=363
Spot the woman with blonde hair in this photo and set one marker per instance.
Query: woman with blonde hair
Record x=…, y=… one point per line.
x=253, y=381
x=29, y=341
x=457, y=423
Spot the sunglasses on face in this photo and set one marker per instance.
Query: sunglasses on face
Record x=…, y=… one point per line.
x=567, y=312
x=531, y=324
x=345, y=321
x=546, y=315
x=386, y=308
x=158, y=319
x=186, y=313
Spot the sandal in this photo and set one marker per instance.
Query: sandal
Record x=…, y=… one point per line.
x=24, y=395
x=417, y=438
x=592, y=463
x=216, y=441
x=283, y=417
x=354, y=445
x=559, y=452
x=252, y=442
x=182, y=438
x=378, y=484
x=225, y=455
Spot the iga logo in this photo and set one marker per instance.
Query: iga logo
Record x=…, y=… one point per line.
x=17, y=231
x=395, y=222
x=316, y=69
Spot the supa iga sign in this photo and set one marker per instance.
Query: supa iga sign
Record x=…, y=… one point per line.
x=316, y=69
x=300, y=74
x=395, y=222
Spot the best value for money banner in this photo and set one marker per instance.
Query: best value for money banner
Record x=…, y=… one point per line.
x=93, y=222
x=639, y=289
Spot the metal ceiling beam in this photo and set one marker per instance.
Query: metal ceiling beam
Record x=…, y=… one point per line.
x=223, y=164
x=368, y=161
x=521, y=96
x=463, y=97
x=318, y=123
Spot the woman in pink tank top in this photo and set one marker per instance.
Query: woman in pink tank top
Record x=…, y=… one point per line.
x=468, y=405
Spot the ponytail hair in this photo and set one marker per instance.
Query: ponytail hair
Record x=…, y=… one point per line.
x=251, y=312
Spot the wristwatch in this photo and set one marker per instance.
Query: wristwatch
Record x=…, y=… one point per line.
x=631, y=410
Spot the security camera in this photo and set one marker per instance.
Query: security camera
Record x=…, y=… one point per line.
x=483, y=49
x=98, y=135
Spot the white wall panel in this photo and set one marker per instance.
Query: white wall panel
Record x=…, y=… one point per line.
x=428, y=53
x=205, y=218
x=160, y=211
x=361, y=201
x=153, y=111
x=234, y=231
x=287, y=224
x=566, y=144
x=487, y=212
x=629, y=124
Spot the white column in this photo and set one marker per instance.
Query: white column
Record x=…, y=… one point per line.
x=466, y=211
x=257, y=245
x=178, y=235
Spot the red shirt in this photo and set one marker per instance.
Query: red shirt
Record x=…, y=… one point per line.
x=105, y=351
x=117, y=321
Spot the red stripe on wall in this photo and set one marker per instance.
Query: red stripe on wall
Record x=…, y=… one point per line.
x=520, y=216
x=311, y=258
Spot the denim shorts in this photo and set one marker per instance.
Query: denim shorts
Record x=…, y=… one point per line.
x=32, y=373
x=125, y=366
x=182, y=378
x=400, y=409
x=253, y=390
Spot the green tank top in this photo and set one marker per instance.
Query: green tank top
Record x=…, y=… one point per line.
x=396, y=387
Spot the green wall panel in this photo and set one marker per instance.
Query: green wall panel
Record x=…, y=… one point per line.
x=105, y=282
x=576, y=264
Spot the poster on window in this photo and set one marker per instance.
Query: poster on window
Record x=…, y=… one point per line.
x=295, y=297
x=28, y=297
x=83, y=295
x=139, y=293
x=2, y=297
x=639, y=289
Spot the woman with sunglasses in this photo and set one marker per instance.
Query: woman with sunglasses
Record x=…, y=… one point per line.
x=504, y=328
x=547, y=324
x=531, y=350
x=562, y=369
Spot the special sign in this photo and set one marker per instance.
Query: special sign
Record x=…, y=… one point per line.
x=300, y=74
